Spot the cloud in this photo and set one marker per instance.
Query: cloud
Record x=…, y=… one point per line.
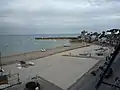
x=53, y=16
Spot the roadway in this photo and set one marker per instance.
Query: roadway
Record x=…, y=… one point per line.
x=94, y=79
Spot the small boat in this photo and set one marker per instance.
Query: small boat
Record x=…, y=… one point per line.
x=43, y=50
x=66, y=45
x=22, y=64
x=18, y=43
x=31, y=63
x=5, y=45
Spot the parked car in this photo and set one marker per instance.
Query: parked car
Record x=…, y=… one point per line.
x=32, y=86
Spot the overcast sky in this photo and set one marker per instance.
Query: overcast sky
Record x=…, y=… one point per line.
x=58, y=16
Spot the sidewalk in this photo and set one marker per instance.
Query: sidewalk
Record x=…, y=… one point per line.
x=90, y=84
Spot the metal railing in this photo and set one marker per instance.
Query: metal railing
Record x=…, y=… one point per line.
x=101, y=80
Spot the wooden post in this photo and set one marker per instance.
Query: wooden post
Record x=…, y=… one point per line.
x=18, y=77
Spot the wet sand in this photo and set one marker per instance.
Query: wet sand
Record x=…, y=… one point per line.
x=38, y=54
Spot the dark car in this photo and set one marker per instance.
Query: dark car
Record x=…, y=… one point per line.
x=32, y=86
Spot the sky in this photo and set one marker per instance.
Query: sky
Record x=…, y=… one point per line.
x=58, y=16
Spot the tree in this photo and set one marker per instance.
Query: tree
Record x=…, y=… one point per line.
x=83, y=35
x=96, y=34
x=113, y=37
x=102, y=35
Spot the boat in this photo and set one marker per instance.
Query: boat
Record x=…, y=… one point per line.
x=35, y=43
x=66, y=45
x=43, y=50
x=5, y=45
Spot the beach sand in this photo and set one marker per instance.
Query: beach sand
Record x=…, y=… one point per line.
x=60, y=70
x=38, y=54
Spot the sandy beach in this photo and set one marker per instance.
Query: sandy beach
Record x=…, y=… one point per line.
x=38, y=54
x=62, y=71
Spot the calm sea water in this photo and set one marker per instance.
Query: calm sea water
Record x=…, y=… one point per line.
x=14, y=44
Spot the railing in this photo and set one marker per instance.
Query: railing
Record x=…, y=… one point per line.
x=101, y=80
x=13, y=79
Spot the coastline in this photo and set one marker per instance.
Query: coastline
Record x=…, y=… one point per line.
x=6, y=60
x=50, y=68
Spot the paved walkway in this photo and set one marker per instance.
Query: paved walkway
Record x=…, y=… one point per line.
x=57, y=69
x=62, y=71
x=89, y=84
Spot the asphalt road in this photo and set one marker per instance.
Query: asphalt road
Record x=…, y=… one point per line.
x=90, y=85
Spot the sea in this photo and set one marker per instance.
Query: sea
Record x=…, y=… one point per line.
x=16, y=44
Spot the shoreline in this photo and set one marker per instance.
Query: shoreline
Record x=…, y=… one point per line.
x=50, y=71
x=17, y=54
x=7, y=60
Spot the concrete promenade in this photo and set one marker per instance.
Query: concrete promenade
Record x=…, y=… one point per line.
x=59, y=70
x=88, y=82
